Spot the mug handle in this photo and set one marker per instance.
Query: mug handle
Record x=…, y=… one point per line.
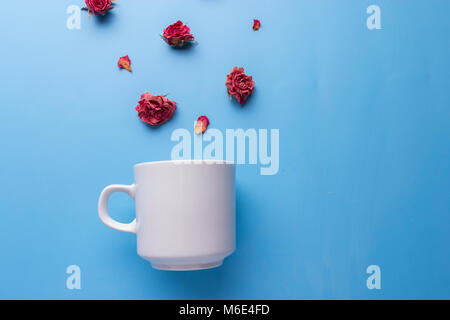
x=103, y=207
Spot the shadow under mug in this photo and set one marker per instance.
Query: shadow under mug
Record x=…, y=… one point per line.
x=185, y=212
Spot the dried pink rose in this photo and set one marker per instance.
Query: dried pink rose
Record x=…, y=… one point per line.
x=177, y=34
x=155, y=110
x=239, y=85
x=99, y=6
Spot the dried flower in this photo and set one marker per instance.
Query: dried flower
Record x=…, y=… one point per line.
x=239, y=84
x=256, y=24
x=98, y=6
x=177, y=34
x=155, y=110
x=124, y=63
x=201, y=124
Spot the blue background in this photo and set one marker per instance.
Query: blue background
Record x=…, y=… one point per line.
x=364, y=145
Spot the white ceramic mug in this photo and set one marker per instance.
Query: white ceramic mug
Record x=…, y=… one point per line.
x=185, y=212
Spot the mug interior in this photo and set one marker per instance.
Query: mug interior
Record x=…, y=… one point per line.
x=189, y=162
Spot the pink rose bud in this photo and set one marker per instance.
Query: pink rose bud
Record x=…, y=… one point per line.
x=177, y=34
x=124, y=63
x=239, y=85
x=155, y=110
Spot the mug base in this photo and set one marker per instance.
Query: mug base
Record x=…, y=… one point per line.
x=187, y=267
x=186, y=263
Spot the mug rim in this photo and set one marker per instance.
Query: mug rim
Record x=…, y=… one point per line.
x=188, y=161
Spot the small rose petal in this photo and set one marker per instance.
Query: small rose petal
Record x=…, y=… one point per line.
x=201, y=124
x=256, y=24
x=124, y=63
